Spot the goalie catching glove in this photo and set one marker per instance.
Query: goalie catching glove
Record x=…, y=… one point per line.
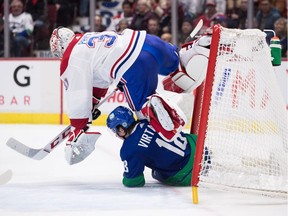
x=80, y=145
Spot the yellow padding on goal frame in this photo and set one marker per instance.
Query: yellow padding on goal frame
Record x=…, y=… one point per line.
x=42, y=118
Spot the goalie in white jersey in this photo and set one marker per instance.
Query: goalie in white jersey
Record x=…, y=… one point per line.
x=91, y=62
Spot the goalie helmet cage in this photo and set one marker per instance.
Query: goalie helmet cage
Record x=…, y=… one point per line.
x=240, y=118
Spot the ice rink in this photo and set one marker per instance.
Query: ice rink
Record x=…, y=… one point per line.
x=93, y=187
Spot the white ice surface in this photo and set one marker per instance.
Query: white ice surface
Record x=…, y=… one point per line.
x=50, y=187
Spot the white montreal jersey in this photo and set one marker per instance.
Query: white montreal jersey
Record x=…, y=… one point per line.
x=96, y=60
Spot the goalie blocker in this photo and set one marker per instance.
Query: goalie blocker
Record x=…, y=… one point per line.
x=192, y=72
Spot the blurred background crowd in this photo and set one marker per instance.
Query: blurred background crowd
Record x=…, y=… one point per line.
x=31, y=21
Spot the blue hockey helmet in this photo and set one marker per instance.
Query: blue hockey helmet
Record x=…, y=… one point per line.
x=120, y=116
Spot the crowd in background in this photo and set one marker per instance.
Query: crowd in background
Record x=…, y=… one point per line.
x=32, y=21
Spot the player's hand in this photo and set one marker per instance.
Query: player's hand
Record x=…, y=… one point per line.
x=95, y=111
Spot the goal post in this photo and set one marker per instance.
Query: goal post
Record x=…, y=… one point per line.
x=240, y=118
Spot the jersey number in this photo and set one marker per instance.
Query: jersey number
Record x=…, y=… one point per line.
x=180, y=142
x=91, y=39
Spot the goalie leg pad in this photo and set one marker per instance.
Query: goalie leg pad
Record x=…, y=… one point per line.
x=161, y=114
x=187, y=80
x=178, y=82
x=167, y=120
x=196, y=69
x=78, y=150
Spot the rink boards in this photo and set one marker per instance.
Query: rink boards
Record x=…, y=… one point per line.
x=31, y=92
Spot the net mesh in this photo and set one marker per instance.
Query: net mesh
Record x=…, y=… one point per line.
x=245, y=143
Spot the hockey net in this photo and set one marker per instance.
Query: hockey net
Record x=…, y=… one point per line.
x=240, y=118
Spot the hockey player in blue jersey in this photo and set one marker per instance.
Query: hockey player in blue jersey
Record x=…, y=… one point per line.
x=171, y=162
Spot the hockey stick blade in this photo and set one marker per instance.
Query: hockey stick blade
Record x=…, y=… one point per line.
x=38, y=154
x=6, y=177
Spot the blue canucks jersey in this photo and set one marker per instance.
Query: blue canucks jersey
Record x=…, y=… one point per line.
x=144, y=147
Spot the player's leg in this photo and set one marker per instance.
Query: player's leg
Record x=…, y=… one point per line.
x=165, y=53
x=140, y=80
x=139, y=83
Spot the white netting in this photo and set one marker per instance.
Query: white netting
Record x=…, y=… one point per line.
x=246, y=138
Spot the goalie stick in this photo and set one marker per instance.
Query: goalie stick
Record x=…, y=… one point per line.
x=196, y=29
x=5, y=177
x=39, y=154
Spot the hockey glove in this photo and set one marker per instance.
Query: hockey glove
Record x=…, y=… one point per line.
x=80, y=145
x=95, y=111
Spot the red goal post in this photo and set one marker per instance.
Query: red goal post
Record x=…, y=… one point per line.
x=240, y=118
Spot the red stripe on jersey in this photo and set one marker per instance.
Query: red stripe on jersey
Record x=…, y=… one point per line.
x=128, y=97
x=66, y=55
x=121, y=57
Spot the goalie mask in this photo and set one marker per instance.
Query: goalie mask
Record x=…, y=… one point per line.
x=120, y=117
x=59, y=41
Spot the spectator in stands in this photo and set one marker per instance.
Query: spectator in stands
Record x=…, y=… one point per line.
x=127, y=13
x=186, y=29
x=266, y=15
x=99, y=27
x=21, y=26
x=38, y=10
x=189, y=8
x=166, y=19
x=157, y=7
x=122, y=25
x=197, y=7
x=281, y=5
x=280, y=27
x=142, y=15
x=220, y=19
x=154, y=27
x=65, y=11
x=236, y=16
x=221, y=6
x=83, y=8
x=167, y=37
x=208, y=16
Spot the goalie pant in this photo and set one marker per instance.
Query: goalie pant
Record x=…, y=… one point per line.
x=133, y=59
x=171, y=162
